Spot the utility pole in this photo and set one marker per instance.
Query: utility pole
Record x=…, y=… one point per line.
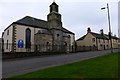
x=110, y=37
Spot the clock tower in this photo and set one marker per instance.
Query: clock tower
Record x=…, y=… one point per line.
x=54, y=18
x=55, y=25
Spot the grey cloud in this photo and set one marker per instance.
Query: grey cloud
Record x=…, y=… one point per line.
x=76, y=16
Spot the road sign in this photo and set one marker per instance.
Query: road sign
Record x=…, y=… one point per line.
x=20, y=43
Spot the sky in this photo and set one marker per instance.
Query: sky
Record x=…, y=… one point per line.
x=77, y=15
x=119, y=20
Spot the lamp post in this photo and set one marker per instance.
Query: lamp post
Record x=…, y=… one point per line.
x=109, y=25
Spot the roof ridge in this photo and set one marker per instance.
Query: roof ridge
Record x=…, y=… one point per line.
x=81, y=38
x=31, y=21
x=33, y=18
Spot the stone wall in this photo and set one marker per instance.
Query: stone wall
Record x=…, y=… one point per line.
x=41, y=40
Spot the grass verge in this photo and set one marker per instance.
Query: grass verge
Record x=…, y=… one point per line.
x=99, y=67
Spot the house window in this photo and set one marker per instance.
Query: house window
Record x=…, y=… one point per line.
x=104, y=41
x=99, y=40
x=107, y=46
x=7, y=32
x=93, y=39
x=94, y=45
x=68, y=36
x=113, y=40
x=7, y=45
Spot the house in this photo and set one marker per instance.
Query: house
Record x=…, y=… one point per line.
x=97, y=41
x=30, y=34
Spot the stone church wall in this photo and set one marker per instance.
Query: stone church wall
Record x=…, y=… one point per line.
x=43, y=42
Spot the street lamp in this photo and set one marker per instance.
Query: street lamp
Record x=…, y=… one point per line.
x=109, y=25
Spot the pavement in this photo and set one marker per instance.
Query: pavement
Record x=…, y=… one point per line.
x=14, y=67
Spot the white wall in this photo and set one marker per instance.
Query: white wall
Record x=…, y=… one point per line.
x=21, y=34
x=0, y=46
x=9, y=38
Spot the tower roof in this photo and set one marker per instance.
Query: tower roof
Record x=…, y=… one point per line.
x=53, y=4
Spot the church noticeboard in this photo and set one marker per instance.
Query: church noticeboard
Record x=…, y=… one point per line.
x=20, y=43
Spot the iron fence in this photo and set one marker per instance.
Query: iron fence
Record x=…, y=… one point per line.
x=85, y=48
x=46, y=48
x=36, y=48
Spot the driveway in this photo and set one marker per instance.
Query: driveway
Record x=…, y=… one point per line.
x=21, y=66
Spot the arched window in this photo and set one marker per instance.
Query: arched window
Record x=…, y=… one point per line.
x=7, y=45
x=47, y=43
x=28, y=38
x=58, y=35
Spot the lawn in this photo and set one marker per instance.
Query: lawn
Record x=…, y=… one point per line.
x=100, y=67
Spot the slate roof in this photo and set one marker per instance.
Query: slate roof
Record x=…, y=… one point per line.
x=53, y=4
x=99, y=36
x=30, y=21
x=81, y=38
x=67, y=31
x=38, y=23
x=113, y=37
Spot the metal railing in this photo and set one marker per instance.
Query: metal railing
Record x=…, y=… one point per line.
x=85, y=48
x=36, y=48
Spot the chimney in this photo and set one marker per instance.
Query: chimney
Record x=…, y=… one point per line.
x=88, y=30
x=101, y=32
x=114, y=35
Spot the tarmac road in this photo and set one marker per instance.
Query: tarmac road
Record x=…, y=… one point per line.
x=15, y=67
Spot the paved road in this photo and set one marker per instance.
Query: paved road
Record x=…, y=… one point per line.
x=21, y=66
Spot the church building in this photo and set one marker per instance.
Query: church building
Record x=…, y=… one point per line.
x=32, y=34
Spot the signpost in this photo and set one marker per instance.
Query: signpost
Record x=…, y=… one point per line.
x=20, y=44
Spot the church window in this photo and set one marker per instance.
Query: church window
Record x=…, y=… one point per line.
x=56, y=8
x=47, y=43
x=65, y=43
x=57, y=16
x=58, y=35
x=7, y=45
x=28, y=38
x=50, y=9
x=68, y=36
x=7, y=32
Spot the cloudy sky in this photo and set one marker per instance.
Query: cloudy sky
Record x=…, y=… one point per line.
x=77, y=15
